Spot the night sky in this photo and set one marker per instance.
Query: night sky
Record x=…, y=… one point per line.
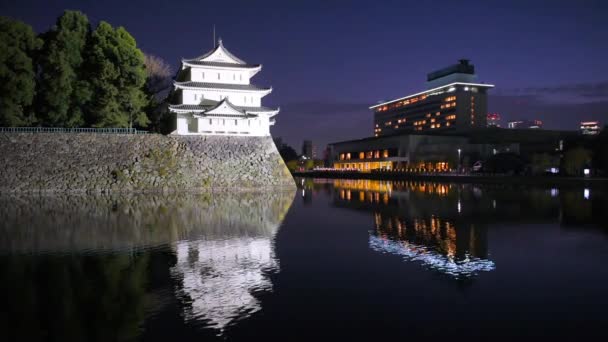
x=328, y=61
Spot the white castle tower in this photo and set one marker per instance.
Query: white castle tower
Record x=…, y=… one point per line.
x=216, y=97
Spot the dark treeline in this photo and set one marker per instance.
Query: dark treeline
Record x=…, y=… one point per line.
x=76, y=76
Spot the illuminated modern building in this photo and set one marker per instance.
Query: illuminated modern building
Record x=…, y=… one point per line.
x=414, y=151
x=307, y=149
x=452, y=101
x=590, y=127
x=525, y=124
x=213, y=95
x=493, y=120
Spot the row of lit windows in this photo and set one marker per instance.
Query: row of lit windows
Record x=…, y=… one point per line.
x=451, y=117
x=450, y=99
x=365, y=155
x=472, y=110
x=401, y=103
x=448, y=105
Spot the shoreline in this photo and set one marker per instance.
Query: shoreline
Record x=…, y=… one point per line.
x=479, y=179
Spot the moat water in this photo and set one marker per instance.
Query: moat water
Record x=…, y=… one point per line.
x=338, y=259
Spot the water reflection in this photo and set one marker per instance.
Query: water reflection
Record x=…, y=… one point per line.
x=82, y=266
x=444, y=226
x=403, y=224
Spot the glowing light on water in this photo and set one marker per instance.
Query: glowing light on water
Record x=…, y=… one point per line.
x=467, y=267
x=586, y=194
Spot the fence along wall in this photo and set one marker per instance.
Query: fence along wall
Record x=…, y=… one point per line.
x=85, y=162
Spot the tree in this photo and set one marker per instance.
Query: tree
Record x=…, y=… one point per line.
x=504, y=163
x=287, y=152
x=62, y=89
x=18, y=43
x=158, y=84
x=541, y=162
x=600, y=151
x=575, y=159
x=158, y=76
x=117, y=75
x=293, y=165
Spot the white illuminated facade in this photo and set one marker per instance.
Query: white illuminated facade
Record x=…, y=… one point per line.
x=220, y=276
x=214, y=96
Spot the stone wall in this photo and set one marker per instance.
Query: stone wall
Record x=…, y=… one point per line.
x=150, y=162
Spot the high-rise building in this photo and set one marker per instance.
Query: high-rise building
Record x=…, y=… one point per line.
x=525, y=124
x=452, y=102
x=307, y=149
x=590, y=127
x=493, y=120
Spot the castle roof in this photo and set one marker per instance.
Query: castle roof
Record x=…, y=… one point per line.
x=226, y=86
x=222, y=108
x=219, y=54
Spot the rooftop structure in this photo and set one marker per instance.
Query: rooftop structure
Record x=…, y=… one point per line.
x=493, y=120
x=590, y=127
x=460, y=72
x=213, y=95
x=525, y=124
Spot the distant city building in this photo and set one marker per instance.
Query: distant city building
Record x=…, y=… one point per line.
x=590, y=127
x=213, y=96
x=525, y=124
x=493, y=120
x=452, y=102
x=307, y=149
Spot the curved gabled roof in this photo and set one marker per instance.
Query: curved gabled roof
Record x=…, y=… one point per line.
x=223, y=108
x=218, y=54
x=226, y=86
x=195, y=62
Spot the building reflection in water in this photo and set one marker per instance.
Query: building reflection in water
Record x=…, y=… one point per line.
x=219, y=249
x=417, y=221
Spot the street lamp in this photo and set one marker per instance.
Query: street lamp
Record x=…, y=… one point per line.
x=459, y=150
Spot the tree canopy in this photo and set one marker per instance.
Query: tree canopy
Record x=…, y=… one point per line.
x=62, y=89
x=18, y=44
x=117, y=75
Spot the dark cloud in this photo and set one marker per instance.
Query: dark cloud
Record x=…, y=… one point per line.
x=583, y=92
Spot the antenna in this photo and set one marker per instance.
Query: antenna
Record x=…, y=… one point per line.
x=214, y=36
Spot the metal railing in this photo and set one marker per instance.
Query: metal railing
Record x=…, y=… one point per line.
x=71, y=130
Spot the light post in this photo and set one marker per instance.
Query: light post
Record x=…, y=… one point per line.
x=459, y=150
